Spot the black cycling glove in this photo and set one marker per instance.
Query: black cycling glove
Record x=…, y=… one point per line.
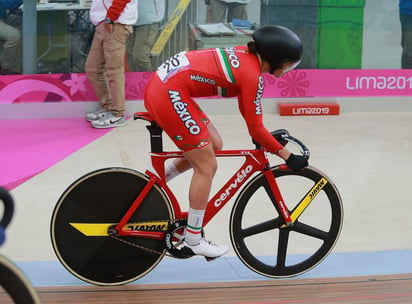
x=296, y=162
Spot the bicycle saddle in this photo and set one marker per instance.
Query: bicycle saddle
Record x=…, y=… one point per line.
x=143, y=115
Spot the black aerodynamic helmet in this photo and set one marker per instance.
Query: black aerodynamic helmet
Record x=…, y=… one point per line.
x=277, y=45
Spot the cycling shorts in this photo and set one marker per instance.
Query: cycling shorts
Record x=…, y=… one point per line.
x=177, y=113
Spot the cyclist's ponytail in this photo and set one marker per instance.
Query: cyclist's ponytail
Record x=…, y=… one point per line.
x=251, y=45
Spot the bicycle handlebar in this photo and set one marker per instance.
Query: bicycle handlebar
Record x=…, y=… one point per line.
x=281, y=135
x=284, y=137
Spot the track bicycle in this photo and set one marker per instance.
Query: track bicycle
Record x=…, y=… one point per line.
x=12, y=279
x=114, y=225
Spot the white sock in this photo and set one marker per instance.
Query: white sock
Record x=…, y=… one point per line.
x=171, y=171
x=193, y=231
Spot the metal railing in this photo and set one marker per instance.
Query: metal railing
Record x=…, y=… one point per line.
x=174, y=37
x=175, y=32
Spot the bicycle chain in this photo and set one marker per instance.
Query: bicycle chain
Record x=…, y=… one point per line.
x=139, y=246
x=142, y=247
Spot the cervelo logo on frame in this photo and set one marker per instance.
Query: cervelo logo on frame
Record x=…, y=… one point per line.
x=240, y=177
x=181, y=109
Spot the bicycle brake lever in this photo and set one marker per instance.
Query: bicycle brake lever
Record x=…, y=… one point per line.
x=303, y=149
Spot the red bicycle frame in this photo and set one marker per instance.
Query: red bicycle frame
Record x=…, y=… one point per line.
x=255, y=161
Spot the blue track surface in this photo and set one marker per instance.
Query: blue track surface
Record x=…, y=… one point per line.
x=52, y=273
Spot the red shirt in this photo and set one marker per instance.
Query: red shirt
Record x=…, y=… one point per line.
x=227, y=72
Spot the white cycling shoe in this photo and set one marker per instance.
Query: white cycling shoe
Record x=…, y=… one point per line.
x=205, y=248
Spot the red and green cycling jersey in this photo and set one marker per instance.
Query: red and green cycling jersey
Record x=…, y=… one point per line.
x=226, y=72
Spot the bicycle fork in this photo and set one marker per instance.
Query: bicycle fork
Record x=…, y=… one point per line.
x=290, y=217
x=276, y=196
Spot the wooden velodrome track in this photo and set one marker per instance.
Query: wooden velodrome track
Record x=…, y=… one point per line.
x=388, y=289
x=370, y=264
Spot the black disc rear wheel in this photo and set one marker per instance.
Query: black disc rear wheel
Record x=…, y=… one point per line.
x=102, y=197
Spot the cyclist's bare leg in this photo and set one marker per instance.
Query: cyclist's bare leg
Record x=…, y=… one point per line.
x=217, y=141
x=181, y=165
x=204, y=164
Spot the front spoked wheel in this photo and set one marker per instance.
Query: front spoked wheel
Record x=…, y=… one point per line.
x=265, y=244
x=87, y=210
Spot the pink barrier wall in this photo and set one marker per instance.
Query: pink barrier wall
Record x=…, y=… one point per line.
x=62, y=88
x=298, y=83
x=340, y=83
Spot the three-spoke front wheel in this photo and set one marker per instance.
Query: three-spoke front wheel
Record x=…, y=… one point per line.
x=259, y=236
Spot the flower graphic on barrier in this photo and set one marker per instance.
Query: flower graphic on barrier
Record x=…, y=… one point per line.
x=135, y=84
x=76, y=83
x=33, y=88
x=293, y=84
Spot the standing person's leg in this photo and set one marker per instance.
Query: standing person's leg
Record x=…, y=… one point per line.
x=216, y=11
x=236, y=11
x=10, y=58
x=406, y=41
x=131, y=43
x=146, y=36
x=114, y=48
x=95, y=70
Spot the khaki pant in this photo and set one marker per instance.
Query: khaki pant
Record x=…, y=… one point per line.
x=139, y=46
x=105, y=66
x=10, y=58
x=217, y=10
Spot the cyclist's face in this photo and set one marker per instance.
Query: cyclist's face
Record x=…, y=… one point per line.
x=286, y=67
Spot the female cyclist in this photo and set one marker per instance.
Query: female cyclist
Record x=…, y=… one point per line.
x=228, y=72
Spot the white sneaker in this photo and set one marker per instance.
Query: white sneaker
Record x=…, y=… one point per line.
x=205, y=248
x=108, y=120
x=99, y=113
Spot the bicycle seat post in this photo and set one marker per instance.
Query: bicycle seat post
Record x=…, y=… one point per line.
x=156, y=140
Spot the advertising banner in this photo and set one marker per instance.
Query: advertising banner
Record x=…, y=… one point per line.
x=296, y=84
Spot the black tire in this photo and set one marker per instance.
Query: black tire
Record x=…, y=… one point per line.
x=8, y=210
x=256, y=225
x=103, y=196
x=13, y=280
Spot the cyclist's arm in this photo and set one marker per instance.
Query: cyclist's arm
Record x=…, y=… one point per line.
x=251, y=109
